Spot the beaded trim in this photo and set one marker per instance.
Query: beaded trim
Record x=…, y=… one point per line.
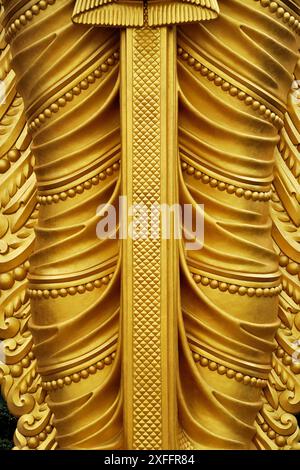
x=291, y=266
x=12, y=156
x=8, y=279
x=230, y=373
x=222, y=186
x=286, y=360
x=83, y=374
x=75, y=91
x=286, y=148
x=34, y=441
x=81, y=289
x=80, y=188
x=16, y=370
x=281, y=13
x=231, y=89
x=26, y=18
x=234, y=289
x=278, y=438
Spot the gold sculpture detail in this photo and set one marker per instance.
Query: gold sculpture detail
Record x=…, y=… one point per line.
x=131, y=12
x=144, y=344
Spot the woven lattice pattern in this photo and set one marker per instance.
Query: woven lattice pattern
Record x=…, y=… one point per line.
x=146, y=252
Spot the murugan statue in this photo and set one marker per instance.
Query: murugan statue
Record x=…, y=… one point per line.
x=123, y=343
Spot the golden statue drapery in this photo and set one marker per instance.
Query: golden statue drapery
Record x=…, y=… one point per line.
x=234, y=74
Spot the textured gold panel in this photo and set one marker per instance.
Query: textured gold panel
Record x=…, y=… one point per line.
x=149, y=146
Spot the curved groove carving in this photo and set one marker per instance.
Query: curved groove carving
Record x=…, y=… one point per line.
x=238, y=384
x=225, y=78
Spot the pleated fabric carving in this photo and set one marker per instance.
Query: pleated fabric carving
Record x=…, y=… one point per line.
x=69, y=80
x=238, y=384
x=234, y=75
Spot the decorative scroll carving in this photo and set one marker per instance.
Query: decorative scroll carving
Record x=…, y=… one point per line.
x=20, y=381
x=278, y=426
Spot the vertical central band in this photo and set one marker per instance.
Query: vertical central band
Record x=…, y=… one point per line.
x=149, y=290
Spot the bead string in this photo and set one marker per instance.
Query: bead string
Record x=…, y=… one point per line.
x=80, y=188
x=291, y=266
x=26, y=18
x=12, y=156
x=8, y=279
x=34, y=441
x=222, y=186
x=286, y=151
x=230, y=373
x=83, y=374
x=231, y=89
x=81, y=289
x=235, y=289
x=71, y=94
x=287, y=360
x=281, y=13
x=278, y=438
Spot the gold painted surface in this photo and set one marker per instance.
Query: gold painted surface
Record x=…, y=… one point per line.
x=150, y=302
x=20, y=381
x=131, y=12
x=234, y=75
x=237, y=384
x=69, y=79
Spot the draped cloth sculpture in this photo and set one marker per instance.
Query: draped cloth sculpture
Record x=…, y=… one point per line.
x=144, y=344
